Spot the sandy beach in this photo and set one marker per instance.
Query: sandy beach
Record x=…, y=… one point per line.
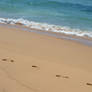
x=31, y=62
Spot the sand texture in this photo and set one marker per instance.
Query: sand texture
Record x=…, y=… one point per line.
x=31, y=62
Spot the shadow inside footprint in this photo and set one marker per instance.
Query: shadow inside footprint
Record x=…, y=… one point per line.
x=34, y=66
x=8, y=60
x=90, y=84
x=11, y=60
x=58, y=75
x=62, y=76
x=65, y=77
x=4, y=59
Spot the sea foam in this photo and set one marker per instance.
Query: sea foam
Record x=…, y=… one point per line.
x=47, y=27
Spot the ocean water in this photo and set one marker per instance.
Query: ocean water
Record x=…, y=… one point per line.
x=73, y=17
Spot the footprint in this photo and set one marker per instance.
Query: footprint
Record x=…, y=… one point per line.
x=8, y=60
x=89, y=84
x=4, y=59
x=58, y=75
x=62, y=76
x=12, y=60
x=34, y=66
x=65, y=77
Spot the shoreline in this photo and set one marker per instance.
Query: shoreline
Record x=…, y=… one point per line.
x=50, y=28
x=80, y=40
x=31, y=62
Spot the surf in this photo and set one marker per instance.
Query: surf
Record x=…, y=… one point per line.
x=47, y=27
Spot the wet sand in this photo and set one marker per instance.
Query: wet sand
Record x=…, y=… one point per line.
x=31, y=62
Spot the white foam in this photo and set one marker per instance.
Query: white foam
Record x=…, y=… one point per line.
x=46, y=27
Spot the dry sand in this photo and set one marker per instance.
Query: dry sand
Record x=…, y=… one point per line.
x=31, y=62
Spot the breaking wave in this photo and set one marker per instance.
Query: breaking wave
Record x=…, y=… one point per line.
x=46, y=27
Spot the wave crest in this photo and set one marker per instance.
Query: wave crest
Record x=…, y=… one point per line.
x=46, y=27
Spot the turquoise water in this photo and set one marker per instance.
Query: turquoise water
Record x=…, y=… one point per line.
x=75, y=14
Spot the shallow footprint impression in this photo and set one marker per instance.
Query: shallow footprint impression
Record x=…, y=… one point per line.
x=89, y=84
x=7, y=60
x=35, y=67
x=67, y=77
x=4, y=59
